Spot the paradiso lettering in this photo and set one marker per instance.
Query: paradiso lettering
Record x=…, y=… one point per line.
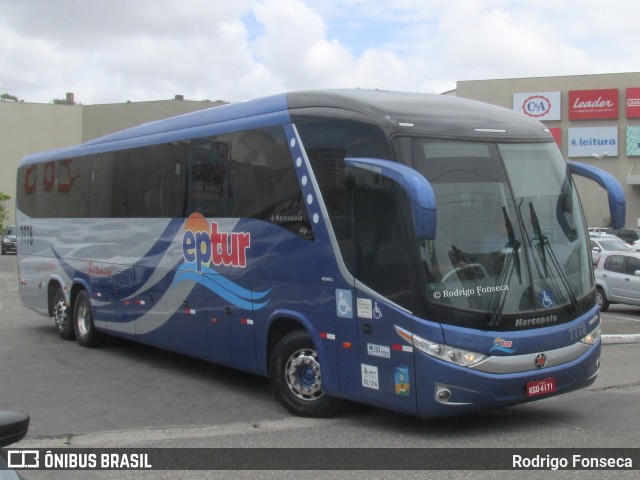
x=215, y=248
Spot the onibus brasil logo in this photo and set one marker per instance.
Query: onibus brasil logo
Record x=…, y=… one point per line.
x=205, y=246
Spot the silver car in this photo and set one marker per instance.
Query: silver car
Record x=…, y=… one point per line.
x=618, y=278
x=606, y=243
x=9, y=240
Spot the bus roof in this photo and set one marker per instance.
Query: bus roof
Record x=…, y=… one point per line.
x=443, y=116
x=440, y=115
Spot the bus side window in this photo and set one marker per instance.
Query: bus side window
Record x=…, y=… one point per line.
x=72, y=184
x=26, y=189
x=264, y=184
x=208, y=174
x=381, y=248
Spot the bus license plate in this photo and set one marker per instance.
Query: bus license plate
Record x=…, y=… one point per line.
x=541, y=387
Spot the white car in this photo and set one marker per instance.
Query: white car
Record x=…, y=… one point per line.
x=598, y=230
x=607, y=243
x=618, y=278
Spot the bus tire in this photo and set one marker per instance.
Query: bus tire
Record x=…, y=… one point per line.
x=62, y=317
x=85, y=330
x=601, y=299
x=296, y=377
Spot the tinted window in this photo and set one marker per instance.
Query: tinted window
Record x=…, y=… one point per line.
x=101, y=194
x=246, y=174
x=208, y=177
x=72, y=188
x=381, y=249
x=633, y=264
x=327, y=143
x=263, y=180
x=615, y=263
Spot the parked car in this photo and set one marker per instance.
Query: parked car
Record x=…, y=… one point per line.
x=629, y=235
x=606, y=243
x=9, y=240
x=618, y=278
x=599, y=230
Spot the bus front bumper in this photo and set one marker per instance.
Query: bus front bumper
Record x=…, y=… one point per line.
x=446, y=390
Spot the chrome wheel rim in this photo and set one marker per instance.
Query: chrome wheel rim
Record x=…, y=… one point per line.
x=60, y=314
x=303, y=376
x=84, y=319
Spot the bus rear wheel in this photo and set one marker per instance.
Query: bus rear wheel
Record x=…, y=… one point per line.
x=61, y=315
x=296, y=377
x=85, y=330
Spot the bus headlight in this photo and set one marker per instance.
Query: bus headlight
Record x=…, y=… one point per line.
x=458, y=356
x=592, y=337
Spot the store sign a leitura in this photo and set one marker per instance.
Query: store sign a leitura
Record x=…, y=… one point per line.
x=593, y=104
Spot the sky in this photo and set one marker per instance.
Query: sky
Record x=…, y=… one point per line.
x=113, y=51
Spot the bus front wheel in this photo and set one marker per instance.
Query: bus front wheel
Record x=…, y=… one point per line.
x=85, y=330
x=601, y=299
x=296, y=377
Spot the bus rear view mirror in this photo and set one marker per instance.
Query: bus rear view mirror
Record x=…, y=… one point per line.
x=417, y=188
x=615, y=194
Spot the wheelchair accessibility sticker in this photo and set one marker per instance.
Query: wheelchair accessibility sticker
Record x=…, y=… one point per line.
x=344, y=303
x=368, y=309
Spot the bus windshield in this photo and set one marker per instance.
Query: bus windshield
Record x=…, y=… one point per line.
x=509, y=229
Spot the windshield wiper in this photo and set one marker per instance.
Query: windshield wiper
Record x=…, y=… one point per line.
x=539, y=236
x=512, y=243
x=544, y=247
x=512, y=263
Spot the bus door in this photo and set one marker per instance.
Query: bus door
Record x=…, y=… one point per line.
x=385, y=289
x=392, y=205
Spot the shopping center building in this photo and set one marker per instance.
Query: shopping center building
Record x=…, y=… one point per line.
x=594, y=118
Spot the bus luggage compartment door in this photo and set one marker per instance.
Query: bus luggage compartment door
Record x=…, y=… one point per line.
x=230, y=321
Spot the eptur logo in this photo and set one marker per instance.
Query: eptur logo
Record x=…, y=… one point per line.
x=205, y=244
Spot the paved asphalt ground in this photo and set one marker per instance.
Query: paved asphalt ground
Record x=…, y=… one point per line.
x=134, y=396
x=621, y=324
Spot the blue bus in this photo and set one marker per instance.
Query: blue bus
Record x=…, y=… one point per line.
x=421, y=253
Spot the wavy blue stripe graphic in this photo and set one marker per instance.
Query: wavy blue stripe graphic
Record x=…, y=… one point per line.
x=502, y=349
x=153, y=255
x=223, y=287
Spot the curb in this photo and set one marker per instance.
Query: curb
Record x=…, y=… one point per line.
x=620, y=339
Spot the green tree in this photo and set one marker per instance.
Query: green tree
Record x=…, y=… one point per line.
x=6, y=96
x=4, y=211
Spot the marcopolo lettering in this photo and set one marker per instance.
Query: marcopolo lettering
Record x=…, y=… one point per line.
x=279, y=218
x=536, y=321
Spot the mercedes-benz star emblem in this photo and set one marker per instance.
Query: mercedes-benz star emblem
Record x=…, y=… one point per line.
x=541, y=360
